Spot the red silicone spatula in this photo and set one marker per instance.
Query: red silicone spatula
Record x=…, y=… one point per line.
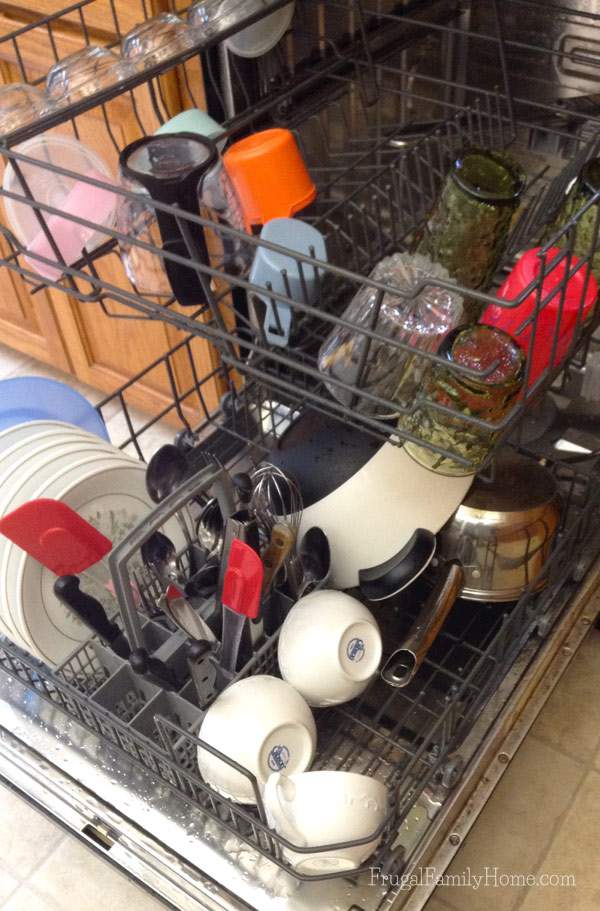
x=56, y=536
x=240, y=598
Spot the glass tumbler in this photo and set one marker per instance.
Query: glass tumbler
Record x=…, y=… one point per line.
x=586, y=242
x=489, y=398
x=420, y=320
x=467, y=230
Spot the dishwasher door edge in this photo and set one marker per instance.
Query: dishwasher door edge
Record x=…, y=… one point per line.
x=187, y=887
x=506, y=734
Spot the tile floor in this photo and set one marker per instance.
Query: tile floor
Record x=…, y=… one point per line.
x=543, y=818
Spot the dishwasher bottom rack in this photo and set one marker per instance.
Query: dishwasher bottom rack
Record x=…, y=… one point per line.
x=408, y=738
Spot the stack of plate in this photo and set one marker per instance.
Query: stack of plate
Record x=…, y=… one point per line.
x=62, y=462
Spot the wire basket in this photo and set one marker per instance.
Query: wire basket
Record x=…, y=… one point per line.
x=351, y=105
x=410, y=738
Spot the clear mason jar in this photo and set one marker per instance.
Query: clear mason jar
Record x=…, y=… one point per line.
x=420, y=320
x=467, y=230
x=489, y=398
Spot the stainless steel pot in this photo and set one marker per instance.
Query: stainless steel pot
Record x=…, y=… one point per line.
x=503, y=531
x=492, y=549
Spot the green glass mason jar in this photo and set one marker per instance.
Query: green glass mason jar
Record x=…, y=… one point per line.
x=488, y=398
x=584, y=188
x=467, y=230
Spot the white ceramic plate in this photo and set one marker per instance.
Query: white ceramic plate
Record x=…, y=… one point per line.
x=114, y=499
x=27, y=487
x=40, y=458
x=25, y=469
x=30, y=428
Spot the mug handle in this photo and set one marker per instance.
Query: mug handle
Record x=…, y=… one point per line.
x=276, y=801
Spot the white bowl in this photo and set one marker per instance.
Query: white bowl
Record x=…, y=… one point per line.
x=320, y=808
x=329, y=647
x=264, y=725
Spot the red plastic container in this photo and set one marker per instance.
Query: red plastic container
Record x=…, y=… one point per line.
x=510, y=320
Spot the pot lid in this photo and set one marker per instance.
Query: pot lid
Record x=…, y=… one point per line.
x=322, y=454
x=519, y=484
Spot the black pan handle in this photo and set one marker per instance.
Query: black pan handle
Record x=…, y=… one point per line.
x=92, y=613
x=388, y=579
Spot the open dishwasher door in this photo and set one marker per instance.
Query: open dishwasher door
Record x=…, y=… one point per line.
x=381, y=97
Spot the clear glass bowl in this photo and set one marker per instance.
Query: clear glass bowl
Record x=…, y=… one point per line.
x=82, y=74
x=209, y=17
x=156, y=40
x=19, y=104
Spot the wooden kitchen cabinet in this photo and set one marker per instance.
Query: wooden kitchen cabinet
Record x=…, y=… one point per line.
x=76, y=336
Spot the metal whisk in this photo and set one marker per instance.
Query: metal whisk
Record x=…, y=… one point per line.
x=275, y=497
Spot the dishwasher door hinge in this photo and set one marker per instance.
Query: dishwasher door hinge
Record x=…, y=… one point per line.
x=101, y=834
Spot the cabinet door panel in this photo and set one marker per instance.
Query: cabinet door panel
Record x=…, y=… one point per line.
x=101, y=350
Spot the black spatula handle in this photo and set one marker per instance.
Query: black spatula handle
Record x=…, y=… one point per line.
x=91, y=612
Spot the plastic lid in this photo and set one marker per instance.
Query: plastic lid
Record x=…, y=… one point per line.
x=261, y=37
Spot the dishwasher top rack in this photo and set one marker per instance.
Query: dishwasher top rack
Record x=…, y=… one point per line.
x=379, y=126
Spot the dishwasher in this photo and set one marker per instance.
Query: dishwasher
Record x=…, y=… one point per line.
x=381, y=97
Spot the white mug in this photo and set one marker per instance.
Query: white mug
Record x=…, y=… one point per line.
x=314, y=809
x=329, y=647
x=264, y=725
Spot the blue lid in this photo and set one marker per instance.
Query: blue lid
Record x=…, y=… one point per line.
x=35, y=398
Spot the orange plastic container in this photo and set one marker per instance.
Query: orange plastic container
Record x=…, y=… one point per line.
x=269, y=175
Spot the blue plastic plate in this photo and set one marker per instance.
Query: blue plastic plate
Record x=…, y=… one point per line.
x=34, y=398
